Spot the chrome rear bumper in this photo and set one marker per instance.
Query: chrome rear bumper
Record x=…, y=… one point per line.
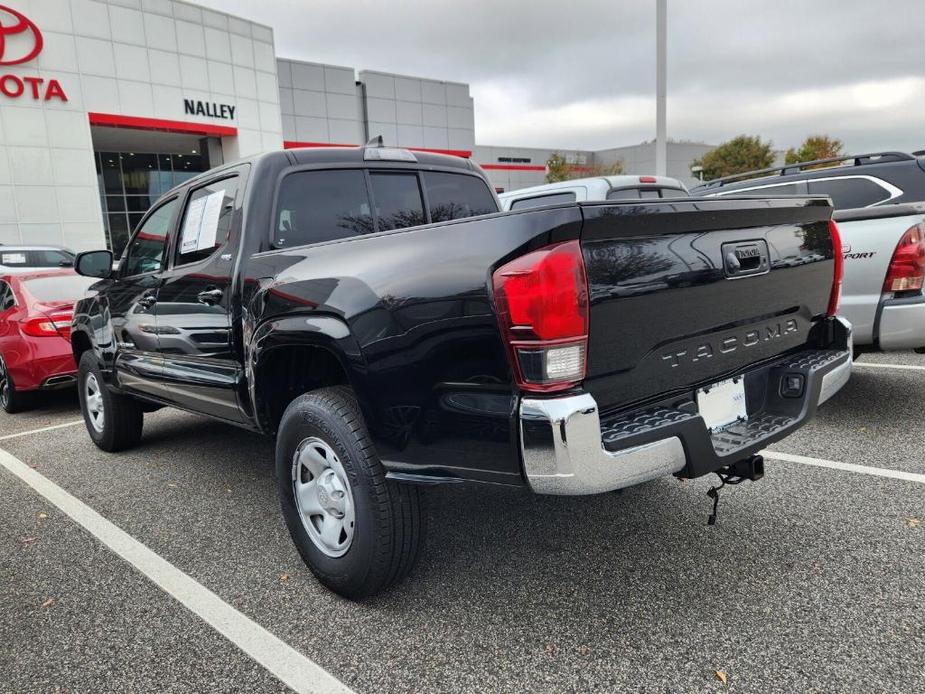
x=567, y=451
x=576, y=461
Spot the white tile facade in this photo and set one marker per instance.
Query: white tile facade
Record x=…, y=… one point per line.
x=319, y=103
x=415, y=112
x=138, y=58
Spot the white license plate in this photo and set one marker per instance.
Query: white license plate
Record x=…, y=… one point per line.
x=722, y=403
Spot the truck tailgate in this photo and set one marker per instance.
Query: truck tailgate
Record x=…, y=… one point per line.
x=686, y=293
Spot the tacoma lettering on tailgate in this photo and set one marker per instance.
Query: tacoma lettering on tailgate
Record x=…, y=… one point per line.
x=731, y=343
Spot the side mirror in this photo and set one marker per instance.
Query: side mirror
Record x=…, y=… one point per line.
x=94, y=264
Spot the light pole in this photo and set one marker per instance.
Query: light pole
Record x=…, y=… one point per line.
x=661, y=121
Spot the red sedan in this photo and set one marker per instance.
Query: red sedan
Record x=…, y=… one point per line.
x=35, y=329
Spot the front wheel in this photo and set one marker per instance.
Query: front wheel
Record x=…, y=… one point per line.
x=114, y=421
x=358, y=532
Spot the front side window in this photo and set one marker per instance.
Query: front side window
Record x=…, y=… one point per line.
x=206, y=221
x=145, y=252
x=849, y=193
x=316, y=206
x=398, y=200
x=542, y=200
x=455, y=196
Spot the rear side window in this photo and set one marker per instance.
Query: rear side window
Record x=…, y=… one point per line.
x=37, y=258
x=455, y=196
x=317, y=206
x=206, y=221
x=848, y=193
x=7, y=300
x=398, y=200
x=542, y=200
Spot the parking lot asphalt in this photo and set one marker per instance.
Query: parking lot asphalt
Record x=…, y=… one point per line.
x=811, y=581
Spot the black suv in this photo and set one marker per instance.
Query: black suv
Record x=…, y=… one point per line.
x=863, y=180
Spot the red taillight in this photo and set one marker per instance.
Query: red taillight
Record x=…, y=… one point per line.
x=542, y=303
x=835, y=295
x=907, y=269
x=52, y=325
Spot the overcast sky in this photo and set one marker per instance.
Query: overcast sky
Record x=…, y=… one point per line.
x=581, y=74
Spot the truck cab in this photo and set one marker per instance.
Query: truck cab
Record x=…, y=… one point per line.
x=594, y=188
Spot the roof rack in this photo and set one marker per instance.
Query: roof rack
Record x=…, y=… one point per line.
x=790, y=169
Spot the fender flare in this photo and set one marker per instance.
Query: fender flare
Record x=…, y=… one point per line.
x=325, y=332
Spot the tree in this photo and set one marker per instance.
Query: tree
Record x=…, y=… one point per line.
x=815, y=147
x=558, y=169
x=738, y=155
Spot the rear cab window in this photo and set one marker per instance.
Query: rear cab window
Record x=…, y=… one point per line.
x=330, y=204
x=543, y=200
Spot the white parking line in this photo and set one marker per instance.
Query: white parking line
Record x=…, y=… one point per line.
x=847, y=467
x=39, y=431
x=877, y=365
x=277, y=657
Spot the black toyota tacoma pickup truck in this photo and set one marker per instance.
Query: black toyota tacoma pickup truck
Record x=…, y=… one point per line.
x=373, y=310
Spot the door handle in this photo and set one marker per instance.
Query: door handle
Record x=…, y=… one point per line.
x=147, y=301
x=210, y=296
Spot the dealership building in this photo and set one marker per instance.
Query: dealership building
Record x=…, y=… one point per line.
x=105, y=105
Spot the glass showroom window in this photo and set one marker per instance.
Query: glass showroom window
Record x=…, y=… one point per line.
x=130, y=182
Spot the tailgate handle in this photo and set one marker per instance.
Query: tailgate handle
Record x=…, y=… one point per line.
x=745, y=258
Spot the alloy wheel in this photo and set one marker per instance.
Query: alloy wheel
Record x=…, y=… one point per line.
x=5, y=386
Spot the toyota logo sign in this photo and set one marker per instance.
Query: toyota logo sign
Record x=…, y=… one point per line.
x=20, y=42
x=20, y=39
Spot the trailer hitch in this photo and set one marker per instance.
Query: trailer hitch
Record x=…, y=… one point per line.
x=751, y=468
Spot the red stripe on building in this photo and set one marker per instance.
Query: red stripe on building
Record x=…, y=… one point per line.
x=292, y=144
x=112, y=120
x=512, y=167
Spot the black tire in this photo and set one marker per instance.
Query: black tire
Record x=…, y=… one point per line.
x=11, y=400
x=123, y=420
x=389, y=523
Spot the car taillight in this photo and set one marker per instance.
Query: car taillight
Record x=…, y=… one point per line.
x=542, y=303
x=907, y=269
x=52, y=325
x=835, y=295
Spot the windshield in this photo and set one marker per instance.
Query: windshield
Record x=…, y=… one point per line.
x=58, y=288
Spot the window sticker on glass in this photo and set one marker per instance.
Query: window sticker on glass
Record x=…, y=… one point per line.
x=13, y=259
x=201, y=223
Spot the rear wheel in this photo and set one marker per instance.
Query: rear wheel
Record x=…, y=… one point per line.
x=358, y=532
x=114, y=421
x=11, y=400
